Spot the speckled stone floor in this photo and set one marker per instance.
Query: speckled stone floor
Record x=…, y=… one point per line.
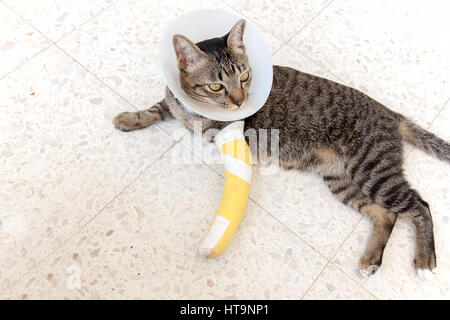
x=88, y=212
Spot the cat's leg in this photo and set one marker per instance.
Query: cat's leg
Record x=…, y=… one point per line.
x=333, y=169
x=377, y=171
x=127, y=121
x=383, y=220
x=408, y=203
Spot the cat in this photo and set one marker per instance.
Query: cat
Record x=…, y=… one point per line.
x=352, y=141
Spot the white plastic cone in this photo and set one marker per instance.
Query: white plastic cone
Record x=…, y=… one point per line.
x=200, y=25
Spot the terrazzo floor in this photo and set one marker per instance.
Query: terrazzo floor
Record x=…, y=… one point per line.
x=89, y=212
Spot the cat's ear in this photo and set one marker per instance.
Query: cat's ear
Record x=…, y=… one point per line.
x=235, y=40
x=189, y=56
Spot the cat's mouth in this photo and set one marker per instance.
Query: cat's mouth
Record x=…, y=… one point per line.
x=232, y=107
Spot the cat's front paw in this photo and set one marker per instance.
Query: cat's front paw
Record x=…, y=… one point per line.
x=124, y=121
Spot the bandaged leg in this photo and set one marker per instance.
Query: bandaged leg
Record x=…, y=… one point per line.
x=238, y=171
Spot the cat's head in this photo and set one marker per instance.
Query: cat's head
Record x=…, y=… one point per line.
x=215, y=71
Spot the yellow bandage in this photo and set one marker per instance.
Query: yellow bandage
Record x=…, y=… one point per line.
x=238, y=172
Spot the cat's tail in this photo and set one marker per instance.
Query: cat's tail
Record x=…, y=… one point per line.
x=424, y=140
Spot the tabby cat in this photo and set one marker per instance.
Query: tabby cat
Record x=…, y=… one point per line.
x=351, y=140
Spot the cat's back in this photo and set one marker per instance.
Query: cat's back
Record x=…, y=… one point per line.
x=301, y=101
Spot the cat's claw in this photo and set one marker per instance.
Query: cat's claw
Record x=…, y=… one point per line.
x=370, y=270
x=426, y=274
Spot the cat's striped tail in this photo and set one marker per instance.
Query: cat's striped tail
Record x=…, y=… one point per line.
x=424, y=140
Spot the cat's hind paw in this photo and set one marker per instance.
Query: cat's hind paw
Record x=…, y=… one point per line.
x=370, y=270
x=426, y=274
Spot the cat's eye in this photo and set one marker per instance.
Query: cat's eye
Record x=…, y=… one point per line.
x=215, y=86
x=245, y=77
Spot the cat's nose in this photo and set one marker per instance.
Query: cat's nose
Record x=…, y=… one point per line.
x=237, y=102
x=237, y=98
